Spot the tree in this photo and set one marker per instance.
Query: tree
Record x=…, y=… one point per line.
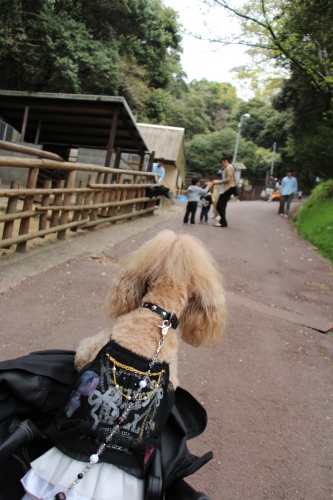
x=189, y=112
x=103, y=47
x=297, y=33
x=216, y=96
x=309, y=146
x=200, y=106
x=266, y=124
x=204, y=151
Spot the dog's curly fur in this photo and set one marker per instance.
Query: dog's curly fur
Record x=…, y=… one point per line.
x=177, y=273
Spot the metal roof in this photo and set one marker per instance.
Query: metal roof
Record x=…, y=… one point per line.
x=240, y=166
x=165, y=141
x=72, y=119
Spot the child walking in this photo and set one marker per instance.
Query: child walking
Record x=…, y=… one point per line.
x=194, y=192
x=206, y=202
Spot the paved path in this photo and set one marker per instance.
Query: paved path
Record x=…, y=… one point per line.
x=268, y=390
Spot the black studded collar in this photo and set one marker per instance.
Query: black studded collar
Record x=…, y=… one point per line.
x=162, y=313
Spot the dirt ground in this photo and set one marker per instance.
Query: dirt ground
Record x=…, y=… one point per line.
x=267, y=390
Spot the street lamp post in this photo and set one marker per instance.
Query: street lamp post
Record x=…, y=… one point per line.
x=246, y=116
x=273, y=157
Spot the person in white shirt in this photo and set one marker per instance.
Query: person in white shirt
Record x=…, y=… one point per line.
x=159, y=169
x=288, y=189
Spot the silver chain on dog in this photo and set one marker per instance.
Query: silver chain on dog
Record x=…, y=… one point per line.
x=120, y=421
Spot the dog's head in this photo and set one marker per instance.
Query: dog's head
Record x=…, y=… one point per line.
x=182, y=262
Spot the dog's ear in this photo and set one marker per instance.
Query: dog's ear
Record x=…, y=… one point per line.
x=141, y=268
x=126, y=292
x=203, y=320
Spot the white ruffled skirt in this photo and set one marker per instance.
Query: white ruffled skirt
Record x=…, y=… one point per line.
x=53, y=472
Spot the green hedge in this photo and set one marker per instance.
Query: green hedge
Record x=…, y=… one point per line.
x=315, y=219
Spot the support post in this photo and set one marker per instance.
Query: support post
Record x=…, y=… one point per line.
x=5, y=132
x=142, y=159
x=151, y=161
x=234, y=159
x=38, y=131
x=116, y=163
x=112, y=136
x=24, y=124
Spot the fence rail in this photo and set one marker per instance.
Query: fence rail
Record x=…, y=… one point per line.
x=103, y=198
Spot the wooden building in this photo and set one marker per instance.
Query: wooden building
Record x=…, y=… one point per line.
x=59, y=123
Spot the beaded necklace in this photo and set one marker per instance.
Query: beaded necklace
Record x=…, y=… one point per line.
x=120, y=421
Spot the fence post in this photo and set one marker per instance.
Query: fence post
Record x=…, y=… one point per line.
x=136, y=192
x=11, y=209
x=112, y=210
x=57, y=202
x=70, y=181
x=88, y=197
x=78, y=202
x=106, y=198
x=119, y=192
x=45, y=201
x=96, y=197
x=27, y=205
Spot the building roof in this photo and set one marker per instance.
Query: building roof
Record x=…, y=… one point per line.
x=73, y=119
x=240, y=166
x=164, y=140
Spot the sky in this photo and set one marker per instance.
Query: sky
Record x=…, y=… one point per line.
x=202, y=59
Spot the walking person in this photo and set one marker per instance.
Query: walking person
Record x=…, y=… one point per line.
x=194, y=193
x=288, y=189
x=270, y=187
x=227, y=188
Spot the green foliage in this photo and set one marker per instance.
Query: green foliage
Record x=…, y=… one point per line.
x=310, y=136
x=295, y=37
x=200, y=106
x=189, y=112
x=127, y=47
x=315, y=219
x=297, y=33
x=204, y=152
x=215, y=95
x=262, y=84
x=156, y=106
x=265, y=126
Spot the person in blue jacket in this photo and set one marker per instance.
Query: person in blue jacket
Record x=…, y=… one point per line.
x=288, y=189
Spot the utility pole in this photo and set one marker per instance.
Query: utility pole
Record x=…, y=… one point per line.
x=246, y=116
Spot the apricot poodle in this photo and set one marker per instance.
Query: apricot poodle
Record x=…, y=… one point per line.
x=177, y=273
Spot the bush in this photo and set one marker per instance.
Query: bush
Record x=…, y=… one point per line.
x=315, y=219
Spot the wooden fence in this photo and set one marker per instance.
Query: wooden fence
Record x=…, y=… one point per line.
x=103, y=198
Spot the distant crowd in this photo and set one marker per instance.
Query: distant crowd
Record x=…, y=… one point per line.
x=219, y=196
x=219, y=192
